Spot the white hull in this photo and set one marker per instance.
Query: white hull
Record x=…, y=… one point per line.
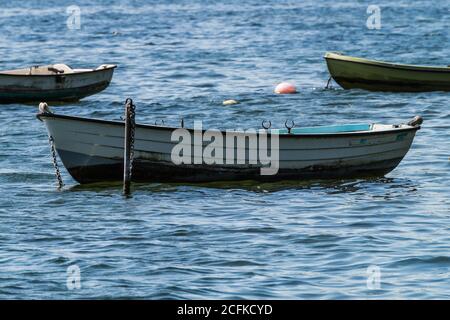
x=92, y=150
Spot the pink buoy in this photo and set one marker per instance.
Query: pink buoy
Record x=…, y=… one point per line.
x=285, y=88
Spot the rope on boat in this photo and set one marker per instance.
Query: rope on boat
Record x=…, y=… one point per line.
x=130, y=128
x=55, y=162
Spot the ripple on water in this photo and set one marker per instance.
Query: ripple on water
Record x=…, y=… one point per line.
x=245, y=240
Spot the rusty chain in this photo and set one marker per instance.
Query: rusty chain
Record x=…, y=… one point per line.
x=132, y=108
x=55, y=162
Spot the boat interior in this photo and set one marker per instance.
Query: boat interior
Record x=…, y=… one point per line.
x=342, y=57
x=51, y=69
x=346, y=128
x=327, y=129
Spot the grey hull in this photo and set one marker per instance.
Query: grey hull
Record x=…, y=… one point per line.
x=20, y=95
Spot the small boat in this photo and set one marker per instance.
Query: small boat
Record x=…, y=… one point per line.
x=55, y=83
x=351, y=73
x=92, y=150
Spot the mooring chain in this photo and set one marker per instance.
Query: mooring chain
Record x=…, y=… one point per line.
x=132, y=134
x=328, y=86
x=55, y=162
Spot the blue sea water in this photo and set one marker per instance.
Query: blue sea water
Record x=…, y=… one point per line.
x=290, y=240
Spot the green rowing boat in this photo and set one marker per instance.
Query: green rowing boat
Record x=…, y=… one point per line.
x=351, y=73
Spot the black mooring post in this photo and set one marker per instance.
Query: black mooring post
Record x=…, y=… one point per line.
x=129, y=118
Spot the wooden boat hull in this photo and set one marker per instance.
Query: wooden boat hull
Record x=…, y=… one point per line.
x=53, y=88
x=352, y=73
x=92, y=151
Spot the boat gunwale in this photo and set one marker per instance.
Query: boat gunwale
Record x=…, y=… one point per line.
x=168, y=128
x=383, y=64
x=109, y=67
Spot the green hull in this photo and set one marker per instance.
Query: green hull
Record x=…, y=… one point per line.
x=353, y=73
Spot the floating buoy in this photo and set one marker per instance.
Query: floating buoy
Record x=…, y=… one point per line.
x=230, y=102
x=285, y=88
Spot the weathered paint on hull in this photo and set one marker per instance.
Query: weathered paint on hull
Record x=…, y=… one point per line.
x=357, y=73
x=151, y=171
x=58, y=95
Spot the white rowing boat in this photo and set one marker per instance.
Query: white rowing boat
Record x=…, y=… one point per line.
x=56, y=83
x=92, y=151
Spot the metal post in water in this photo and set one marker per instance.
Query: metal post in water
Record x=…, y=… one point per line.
x=128, y=145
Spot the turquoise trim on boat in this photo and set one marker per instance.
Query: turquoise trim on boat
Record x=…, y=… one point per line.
x=326, y=129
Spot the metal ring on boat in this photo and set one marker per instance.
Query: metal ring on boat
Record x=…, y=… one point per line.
x=266, y=124
x=289, y=127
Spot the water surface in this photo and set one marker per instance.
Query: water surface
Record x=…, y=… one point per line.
x=301, y=239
